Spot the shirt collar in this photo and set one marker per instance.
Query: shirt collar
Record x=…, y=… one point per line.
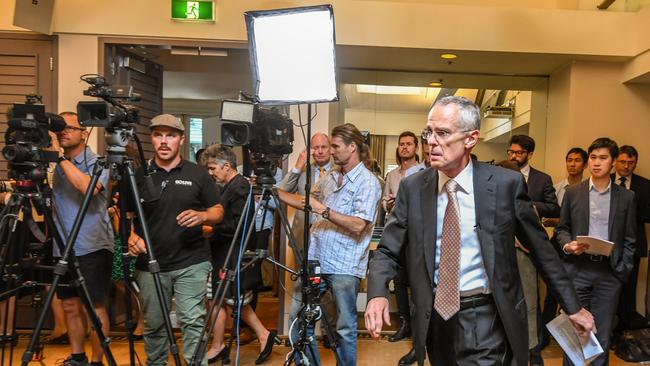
x=326, y=167
x=591, y=185
x=155, y=166
x=618, y=179
x=352, y=174
x=525, y=170
x=80, y=157
x=465, y=179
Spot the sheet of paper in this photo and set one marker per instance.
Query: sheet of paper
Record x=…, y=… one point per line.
x=596, y=246
x=580, y=350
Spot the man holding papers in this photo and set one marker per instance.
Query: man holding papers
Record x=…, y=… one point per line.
x=601, y=210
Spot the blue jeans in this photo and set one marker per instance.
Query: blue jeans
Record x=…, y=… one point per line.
x=344, y=290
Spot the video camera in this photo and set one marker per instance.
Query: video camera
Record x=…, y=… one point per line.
x=26, y=137
x=266, y=132
x=114, y=111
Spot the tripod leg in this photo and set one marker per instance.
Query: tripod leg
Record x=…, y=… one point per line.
x=126, y=260
x=154, y=267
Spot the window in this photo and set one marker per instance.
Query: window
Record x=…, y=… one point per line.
x=195, y=137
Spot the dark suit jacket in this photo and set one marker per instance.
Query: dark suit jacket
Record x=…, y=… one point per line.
x=641, y=188
x=503, y=210
x=574, y=221
x=542, y=193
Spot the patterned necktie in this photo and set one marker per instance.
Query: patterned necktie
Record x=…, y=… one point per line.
x=447, y=301
x=622, y=184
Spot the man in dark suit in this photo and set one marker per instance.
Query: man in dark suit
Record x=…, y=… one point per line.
x=600, y=209
x=624, y=176
x=540, y=184
x=469, y=305
x=542, y=193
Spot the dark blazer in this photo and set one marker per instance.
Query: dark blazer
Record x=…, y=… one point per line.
x=641, y=188
x=574, y=221
x=542, y=193
x=503, y=210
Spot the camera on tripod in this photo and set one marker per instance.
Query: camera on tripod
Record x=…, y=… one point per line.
x=266, y=132
x=26, y=137
x=112, y=113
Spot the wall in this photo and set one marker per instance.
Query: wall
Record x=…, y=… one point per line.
x=587, y=101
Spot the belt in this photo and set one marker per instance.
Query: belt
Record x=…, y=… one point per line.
x=596, y=257
x=475, y=301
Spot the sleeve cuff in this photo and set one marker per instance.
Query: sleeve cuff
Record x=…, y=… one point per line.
x=294, y=170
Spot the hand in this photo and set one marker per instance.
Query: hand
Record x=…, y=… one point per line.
x=316, y=206
x=583, y=321
x=54, y=146
x=190, y=218
x=136, y=245
x=375, y=316
x=575, y=248
x=302, y=160
x=207, y=231
x=390, y=201
x=521, y=246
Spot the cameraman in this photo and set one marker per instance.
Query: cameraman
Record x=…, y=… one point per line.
x=94, y=245
x=185, y=199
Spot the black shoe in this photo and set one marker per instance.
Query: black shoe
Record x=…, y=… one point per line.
x=224, y=354
x=268, y=347
x=536, y=358
x=408, y=359
x=403, y=331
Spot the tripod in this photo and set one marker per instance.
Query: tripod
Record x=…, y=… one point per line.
x=18, y=220
x=69, y=262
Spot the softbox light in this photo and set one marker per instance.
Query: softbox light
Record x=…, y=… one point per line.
x=292, y=55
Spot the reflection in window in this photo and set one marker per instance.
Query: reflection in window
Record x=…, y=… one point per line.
x=195, y=137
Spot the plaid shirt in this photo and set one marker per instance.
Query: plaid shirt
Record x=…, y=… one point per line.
x=338, y=250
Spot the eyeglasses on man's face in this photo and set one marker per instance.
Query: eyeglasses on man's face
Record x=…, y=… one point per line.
x=69, y=129
x=439, y=135
x=516, y=152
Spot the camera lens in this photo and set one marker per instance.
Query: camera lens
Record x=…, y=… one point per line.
x=16, y=153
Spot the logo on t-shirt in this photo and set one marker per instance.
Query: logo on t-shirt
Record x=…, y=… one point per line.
x=179, y=182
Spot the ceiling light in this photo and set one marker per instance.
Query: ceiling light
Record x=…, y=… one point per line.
x=448, y=56
x=394, y=90
x=436, y=84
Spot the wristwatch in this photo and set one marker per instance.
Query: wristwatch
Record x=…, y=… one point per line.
x=326, y=213
x=62, y=158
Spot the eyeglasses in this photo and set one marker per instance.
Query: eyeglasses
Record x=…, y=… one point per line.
x=516, y=152
x=69, y=128
x=439, y=135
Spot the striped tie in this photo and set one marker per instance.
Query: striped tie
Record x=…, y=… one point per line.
x=447, y=301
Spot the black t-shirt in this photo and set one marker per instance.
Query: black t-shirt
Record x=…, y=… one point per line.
x=187, y=186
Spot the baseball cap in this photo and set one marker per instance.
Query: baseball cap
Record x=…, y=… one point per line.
x=167, y=120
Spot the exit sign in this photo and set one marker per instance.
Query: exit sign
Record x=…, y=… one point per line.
x=201, y=11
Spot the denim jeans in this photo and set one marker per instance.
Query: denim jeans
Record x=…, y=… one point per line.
x=344, y=290
x=188, y=288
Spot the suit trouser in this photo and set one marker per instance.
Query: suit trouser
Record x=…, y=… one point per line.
x=596, y=286
x=474, y=336
x=627, y=314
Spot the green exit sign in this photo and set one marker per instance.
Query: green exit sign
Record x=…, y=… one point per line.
x=202, y=11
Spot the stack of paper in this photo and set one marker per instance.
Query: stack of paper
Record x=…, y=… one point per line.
x=580, y=350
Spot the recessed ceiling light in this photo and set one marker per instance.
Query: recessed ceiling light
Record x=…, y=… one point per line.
x=448, y=56
x=435, y=84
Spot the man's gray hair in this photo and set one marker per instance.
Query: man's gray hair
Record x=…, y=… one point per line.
x=217, y=154
x=469, y=114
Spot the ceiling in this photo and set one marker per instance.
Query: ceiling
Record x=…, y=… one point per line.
x=215, y=78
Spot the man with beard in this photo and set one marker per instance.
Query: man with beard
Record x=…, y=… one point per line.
x=541, y=192
x=344, y=205
x=185, y=198
x=94, y=245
